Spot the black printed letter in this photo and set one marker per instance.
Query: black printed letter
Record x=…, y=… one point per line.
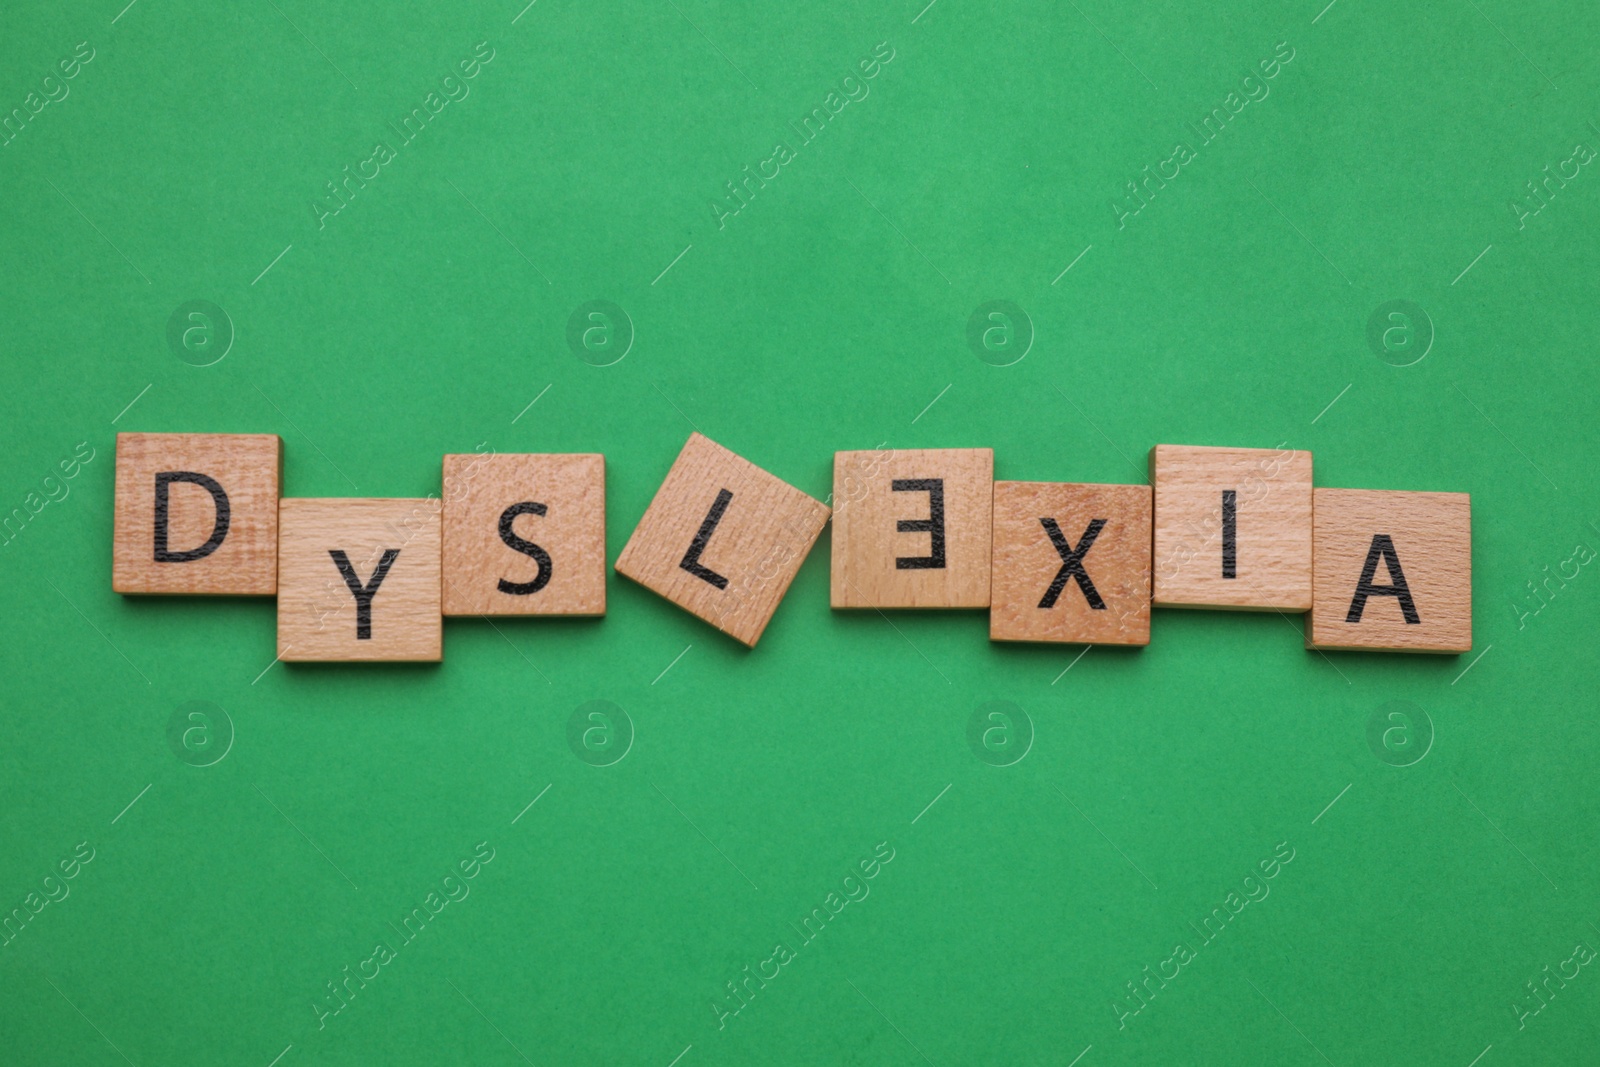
x=364, y=594
x=1383, y=548
x=1230, y=534
x=932, y=525
x=527, y=548
x=219, y=529
x=691, y=559
x=1072, y=564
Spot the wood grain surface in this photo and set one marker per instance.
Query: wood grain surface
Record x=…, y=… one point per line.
x=749, y=531
x=318, y=614
x=245, y=468
x=552, y=507
x=912, y=528
x=1428, y=536
x=1232, y=528
x=1037, y=592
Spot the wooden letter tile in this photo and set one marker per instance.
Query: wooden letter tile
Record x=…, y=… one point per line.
x=524, y=534
x=1232, y=527
x=196, y=513
x=1071, y=563
x=723, y=539
x=911, y=529
x=1393, y=571
x=359, y=580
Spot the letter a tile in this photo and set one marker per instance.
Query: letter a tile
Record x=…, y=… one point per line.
x=359, y=580
x=1393, y=571
x=723, y=539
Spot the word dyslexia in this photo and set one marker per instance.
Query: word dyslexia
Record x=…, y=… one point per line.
x=524, y=534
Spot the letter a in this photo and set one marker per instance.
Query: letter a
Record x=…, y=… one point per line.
x=1383, y=548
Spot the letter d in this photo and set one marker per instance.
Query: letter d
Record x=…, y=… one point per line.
x=219, y=528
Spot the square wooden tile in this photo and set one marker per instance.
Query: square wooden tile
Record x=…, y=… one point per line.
x=386, y=548
x=196, y=513
x=1232, y=527
x=1071, y=563
x=723, y=539
x=1393, y=571
x=525, y=534
x=912, y=528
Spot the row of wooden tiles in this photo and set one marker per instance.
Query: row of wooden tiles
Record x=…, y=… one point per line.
x=524, y=534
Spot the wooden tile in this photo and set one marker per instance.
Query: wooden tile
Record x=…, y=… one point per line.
x=388, y=549
x=525, y=534
x=1232, y=527
x=1393, y=571
x=912, y=528
x=723, y=539
x=196, y=513
x=1071, y=563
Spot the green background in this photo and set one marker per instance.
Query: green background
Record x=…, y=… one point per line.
x=828, y=314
